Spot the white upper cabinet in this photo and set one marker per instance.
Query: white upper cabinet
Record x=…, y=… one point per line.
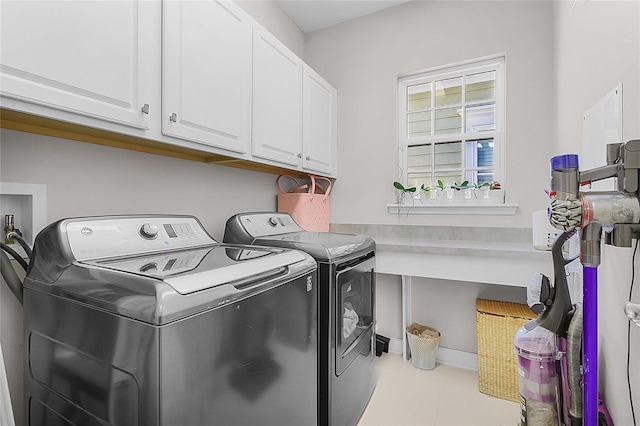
x=319, y=124
x=294, y=109
x=83, y=57
x=206, y=73
x=277, y=100
x=195, y=74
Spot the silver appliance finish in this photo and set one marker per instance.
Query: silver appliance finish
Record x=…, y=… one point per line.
x=146, y=320
x=346, y=284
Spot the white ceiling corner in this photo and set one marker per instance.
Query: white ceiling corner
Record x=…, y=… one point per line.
x=313, y=15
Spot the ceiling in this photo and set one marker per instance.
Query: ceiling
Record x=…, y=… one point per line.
x=312, y=15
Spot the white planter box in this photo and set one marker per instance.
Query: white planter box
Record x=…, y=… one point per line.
x=459, y=198
x=459, y=203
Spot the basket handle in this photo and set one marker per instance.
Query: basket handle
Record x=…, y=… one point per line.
x=321, y=188
x=297, y=188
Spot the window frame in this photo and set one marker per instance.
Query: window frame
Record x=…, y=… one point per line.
x=494, y=63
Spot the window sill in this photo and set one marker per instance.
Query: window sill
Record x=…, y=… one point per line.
x=455, y=207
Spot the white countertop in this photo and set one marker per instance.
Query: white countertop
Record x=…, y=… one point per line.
x=460, y=247
x=482, y=258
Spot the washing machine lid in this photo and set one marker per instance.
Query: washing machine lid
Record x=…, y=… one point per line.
x=192, y=270
x=174, y=249
x=153, y=268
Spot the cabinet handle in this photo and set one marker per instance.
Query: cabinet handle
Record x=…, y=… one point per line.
x=308, y=158
x=145, y=109
x=299, y=155
x=173, y=117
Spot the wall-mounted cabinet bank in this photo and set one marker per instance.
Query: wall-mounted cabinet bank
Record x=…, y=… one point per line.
x=193, y=79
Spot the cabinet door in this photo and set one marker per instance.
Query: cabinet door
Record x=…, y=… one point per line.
x=83, y=57
x=206, y=73
x=319, y=124
x=277, y=100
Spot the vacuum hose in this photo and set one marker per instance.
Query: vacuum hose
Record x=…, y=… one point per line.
x=574, y=361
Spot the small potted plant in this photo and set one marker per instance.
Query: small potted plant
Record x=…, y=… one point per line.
x=449, y=190
x=432, y=191
x=402, y=191
x=428, y=192
x=464, y=186
x=484, y=187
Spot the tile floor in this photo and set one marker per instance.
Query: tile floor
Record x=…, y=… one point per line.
x=446, y=395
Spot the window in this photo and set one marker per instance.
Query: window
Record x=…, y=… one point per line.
x=451, y=124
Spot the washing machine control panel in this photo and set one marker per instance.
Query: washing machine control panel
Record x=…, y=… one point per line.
x=263, y=224
x=124, y=236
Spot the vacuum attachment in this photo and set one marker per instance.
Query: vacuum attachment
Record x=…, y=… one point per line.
x=632, y=310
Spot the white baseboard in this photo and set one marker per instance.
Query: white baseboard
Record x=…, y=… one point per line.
x=462, y=359
x=395, y=345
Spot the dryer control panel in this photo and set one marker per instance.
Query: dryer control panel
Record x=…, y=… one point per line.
x=94, y=238
x=258, y=225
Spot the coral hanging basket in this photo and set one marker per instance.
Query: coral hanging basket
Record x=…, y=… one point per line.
x=307, y=203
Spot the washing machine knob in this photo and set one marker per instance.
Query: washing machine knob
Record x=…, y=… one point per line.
x=148, y=231
x=273, y=222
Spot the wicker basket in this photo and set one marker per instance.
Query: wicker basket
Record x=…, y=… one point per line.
x=496, y=326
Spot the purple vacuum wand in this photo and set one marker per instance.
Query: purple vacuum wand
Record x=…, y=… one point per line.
x=590, y=258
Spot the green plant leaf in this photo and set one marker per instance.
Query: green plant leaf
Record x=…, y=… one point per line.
x=401, y=187
x=463, y=185
x=440, y=184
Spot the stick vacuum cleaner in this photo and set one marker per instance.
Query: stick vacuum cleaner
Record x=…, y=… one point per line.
x=576, y=326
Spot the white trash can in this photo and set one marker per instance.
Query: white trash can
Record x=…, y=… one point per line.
x=423, y=343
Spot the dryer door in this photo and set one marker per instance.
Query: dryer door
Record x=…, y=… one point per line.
x=355, y=305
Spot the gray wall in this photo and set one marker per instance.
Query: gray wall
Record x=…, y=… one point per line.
x=363, y=58
x=277, y=23
x=596, y=46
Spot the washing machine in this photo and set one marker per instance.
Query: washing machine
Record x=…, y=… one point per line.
x=346, y=285
x=147, y=320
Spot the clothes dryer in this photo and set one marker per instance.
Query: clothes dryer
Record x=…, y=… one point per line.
x=346, y=285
